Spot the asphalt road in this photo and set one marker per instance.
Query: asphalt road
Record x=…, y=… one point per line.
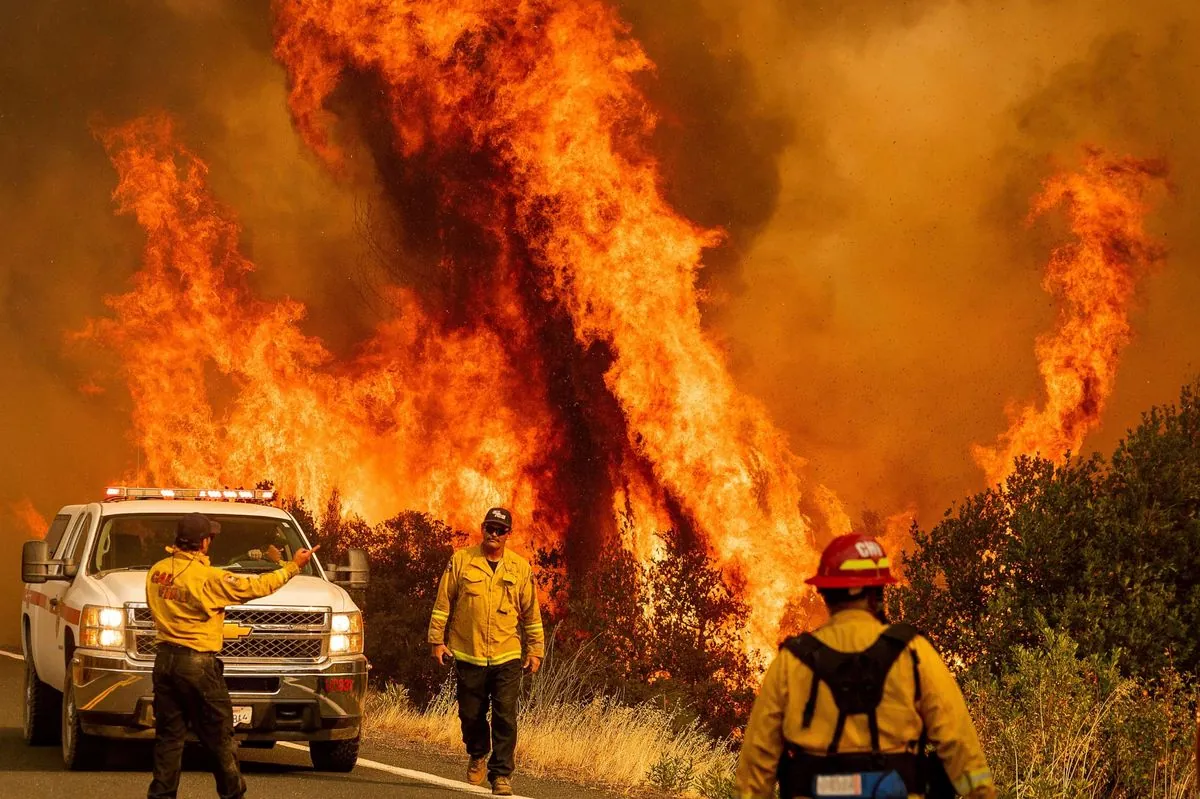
x=279, y=773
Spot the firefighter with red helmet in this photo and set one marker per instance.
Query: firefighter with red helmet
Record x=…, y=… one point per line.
x=848, y=709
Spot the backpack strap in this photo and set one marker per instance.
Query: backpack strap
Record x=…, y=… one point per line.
x=910, y=633
x=805, y=647
x=902, y=632
x=883, y=654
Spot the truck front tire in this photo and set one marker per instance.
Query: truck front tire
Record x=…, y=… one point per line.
x=334, y=755
x=43, y=709
x=80, y=750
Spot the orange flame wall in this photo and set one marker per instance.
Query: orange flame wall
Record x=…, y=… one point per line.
x=227, y=389
x=566, y=228
x=550, y=354
x=870, y=164
x=544, y=94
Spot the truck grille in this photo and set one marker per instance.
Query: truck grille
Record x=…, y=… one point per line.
x=295, y=634
x=311, y=620
x=265, y=648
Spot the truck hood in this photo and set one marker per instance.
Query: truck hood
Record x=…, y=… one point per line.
x=301, y=591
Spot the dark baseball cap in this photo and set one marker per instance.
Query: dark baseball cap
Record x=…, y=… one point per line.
x=196, y=527
x=500, y=517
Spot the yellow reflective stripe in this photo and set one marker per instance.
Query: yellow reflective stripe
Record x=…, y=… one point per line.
x=441, y=614
x=533, y=627
x=469, y=658
x=503, y=657
x=864, y=564
x=972, y=779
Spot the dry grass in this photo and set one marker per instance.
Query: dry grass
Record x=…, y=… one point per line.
x=569, y=733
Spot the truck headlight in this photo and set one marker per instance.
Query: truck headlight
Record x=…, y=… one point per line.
x=102, y=628
x=346, y=634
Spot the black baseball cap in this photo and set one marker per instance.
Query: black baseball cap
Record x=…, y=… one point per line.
x=196, y=527
x=499, y=517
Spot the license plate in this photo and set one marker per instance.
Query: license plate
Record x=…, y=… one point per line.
x=838, y=785
x=242, y=716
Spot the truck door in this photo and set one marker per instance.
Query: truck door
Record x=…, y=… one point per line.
x=35, y=596
x=48, y=635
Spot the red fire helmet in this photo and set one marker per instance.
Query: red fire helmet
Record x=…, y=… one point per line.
x=853, y=561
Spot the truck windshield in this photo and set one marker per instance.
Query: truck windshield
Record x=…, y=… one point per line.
x=245, y=543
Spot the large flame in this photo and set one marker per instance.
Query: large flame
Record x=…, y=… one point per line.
x=554, y=360
x=526, y=120
x=1094, y=280
x=545, y=93
x=420, y=418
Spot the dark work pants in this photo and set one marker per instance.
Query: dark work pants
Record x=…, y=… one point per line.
x=498, y=687
x=190, y=692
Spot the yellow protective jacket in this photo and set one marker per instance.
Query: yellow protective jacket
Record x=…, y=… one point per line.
x=481, y=615
x=778, y=713
x=188, y=597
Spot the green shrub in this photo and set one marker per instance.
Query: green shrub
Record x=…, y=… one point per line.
x=671, y=774
x=1058, y=726
x=1102, y=549
x=715, y=782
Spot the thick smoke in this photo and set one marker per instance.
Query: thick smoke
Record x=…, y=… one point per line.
x=891, y=304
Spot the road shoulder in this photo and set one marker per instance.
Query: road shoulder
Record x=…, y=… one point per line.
x=453, y=766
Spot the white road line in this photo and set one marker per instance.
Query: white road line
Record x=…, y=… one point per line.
x=411, y=774
x=420, y=776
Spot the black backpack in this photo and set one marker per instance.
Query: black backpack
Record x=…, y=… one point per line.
x=856, y=680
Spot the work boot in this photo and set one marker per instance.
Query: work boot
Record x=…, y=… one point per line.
x=477, y=770
x=501, y=787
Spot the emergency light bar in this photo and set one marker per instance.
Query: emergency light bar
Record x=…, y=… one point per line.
x=126, y=492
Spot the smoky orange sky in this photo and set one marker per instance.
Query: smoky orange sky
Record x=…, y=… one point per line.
x=873, y=164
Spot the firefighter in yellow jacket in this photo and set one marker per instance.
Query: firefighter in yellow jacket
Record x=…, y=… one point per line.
x=486, y=602
x=848, y=709
x=187, y=598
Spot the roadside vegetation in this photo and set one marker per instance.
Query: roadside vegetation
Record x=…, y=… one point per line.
x=569, y=732
x=1073, y=634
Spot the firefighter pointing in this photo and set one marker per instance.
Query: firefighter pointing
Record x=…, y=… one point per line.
x=848, y=709
x=187, y=598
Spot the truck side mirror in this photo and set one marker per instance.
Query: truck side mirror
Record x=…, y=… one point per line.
x=355, y=573
x=35, y=562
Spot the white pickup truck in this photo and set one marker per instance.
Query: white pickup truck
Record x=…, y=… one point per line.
x=294, y=660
